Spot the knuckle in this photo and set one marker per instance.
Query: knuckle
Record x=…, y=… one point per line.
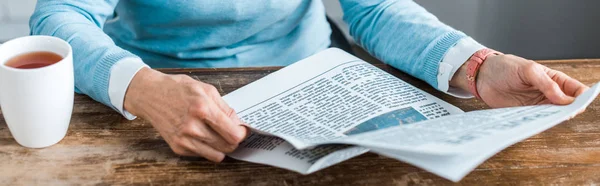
x=210, y=89
x=559, y=73
x=182, y=78
x=200, y=108
x=187, y=78
x=197, y=89
x=190, y=130
x=179, y=150
x=179, y=76
x=196, y=103
x=202, y=136
x=203, y=111
x=229, y=111
x=178, y=143
x=531, y=67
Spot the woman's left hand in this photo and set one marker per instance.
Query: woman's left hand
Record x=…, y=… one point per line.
x=507, y=80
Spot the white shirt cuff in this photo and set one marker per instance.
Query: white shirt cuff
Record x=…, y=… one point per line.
x=121, y=74
x=452, y=61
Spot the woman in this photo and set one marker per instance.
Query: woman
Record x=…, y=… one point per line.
x=115, y=43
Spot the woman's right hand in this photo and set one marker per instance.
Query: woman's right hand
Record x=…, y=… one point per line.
x=190, y=115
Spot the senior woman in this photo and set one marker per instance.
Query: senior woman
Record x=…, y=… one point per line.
x=117, y=43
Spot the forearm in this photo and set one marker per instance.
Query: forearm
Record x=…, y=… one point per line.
x=401, y=33
x=79, y=23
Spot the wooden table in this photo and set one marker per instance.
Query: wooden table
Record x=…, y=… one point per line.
x=103, y=148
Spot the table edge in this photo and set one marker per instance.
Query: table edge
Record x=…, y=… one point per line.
x=274, y=68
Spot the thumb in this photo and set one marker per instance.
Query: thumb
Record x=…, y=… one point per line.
x=538, y=77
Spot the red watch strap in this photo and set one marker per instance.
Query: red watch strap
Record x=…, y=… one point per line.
x=473, y=65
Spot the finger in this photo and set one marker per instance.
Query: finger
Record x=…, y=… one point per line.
x=544, y=102
x=183, y=152
x=243, y=124
x=538, y=78
x=216, y=97
x=211, y=115
x=214, y=94
x=184, y=147
x=204, y=134
x=230, y=113
x=574, y=88
x=231, y=130
x=203, y=150
x=581, y=90
x=570, y=86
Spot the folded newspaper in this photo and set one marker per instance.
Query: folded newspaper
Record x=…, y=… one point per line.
x=332, y=106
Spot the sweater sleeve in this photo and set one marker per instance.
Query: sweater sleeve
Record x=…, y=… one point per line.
x=80, y=23
x=402, y=34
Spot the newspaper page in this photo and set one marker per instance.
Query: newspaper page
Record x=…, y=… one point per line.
x=454, y=145
x=322, y=98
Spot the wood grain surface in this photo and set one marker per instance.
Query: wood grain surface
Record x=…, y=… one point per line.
x=103, y=148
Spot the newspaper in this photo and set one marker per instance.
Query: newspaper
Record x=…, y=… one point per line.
x=332, y=106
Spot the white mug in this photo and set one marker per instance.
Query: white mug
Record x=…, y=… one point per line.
x=37, y=103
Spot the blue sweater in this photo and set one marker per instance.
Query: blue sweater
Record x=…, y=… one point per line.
x=223, y=33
